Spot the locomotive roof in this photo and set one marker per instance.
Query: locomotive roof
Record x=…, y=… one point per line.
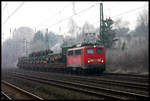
x=84, y=47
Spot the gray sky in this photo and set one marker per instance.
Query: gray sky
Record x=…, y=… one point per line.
x=42, y=15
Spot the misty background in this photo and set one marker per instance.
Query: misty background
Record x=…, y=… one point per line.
x=127, y=54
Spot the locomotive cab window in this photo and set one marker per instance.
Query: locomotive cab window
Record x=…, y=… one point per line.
x=77, y=52
x=99, y=50
x=90, y=51
x=70, y=53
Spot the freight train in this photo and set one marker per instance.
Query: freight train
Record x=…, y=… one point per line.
x=84, y=58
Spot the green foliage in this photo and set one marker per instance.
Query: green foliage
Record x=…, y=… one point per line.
x=50, y=39
x=107, y=33
x=47, y=40
x=38, y=36
x=123, y=46
x=42, y=42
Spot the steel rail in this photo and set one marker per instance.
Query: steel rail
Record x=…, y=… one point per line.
x=23, y=92
x=5, y=96
x=140, y=86
x=145, y=77
x=108, y=94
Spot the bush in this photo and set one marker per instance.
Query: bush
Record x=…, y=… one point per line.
x=133, y=60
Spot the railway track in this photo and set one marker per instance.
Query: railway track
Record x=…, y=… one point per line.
x=5, y=96
x=106, y=93
x=15, y=92
x=133, y=77
x=109, y=76
x=139, y=88
x=127, y=75
x=98, y=80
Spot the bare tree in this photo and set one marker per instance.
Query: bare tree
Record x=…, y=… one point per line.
x=119, y=23
x=142, y=23
x=15, y=47
x=72, y=27
x=88, y=28
x=121, y=27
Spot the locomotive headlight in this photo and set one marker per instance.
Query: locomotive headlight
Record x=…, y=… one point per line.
x=90, y=60
x=99, y=60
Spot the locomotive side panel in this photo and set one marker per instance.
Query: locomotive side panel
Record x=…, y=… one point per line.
x=75, y=58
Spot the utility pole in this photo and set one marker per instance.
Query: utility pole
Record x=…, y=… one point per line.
x=60, y=24
x=47, y=39
x=73, y=4
x=13, y=33
x=35, y=29
x=101, y=24
x=2, y=37
x=47, y=30
x=10, y=32
x=25, y=47
x=73, y=10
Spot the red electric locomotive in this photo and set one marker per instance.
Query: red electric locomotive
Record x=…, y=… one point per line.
x=87, y=58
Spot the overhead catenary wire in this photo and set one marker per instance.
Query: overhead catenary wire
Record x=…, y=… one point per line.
x=124, y=13
x=9, y=16
x=5, y=6
x=128, y=11
x=7, y=11
x=56, y=13
x=73, y=15
x=13, y=12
